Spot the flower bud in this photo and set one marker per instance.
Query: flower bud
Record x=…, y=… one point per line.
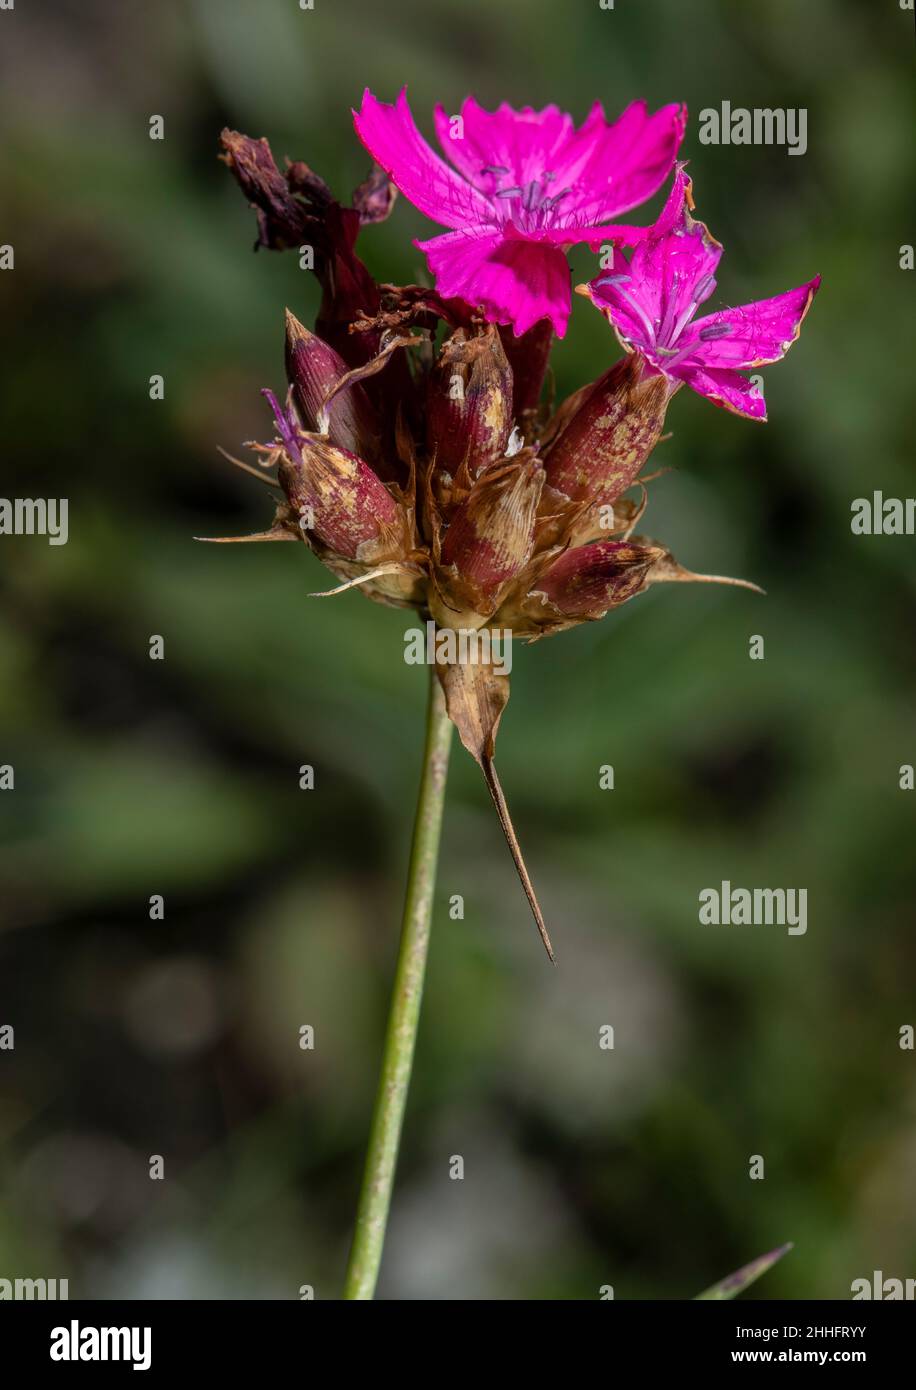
x=469, y=403
x=488, y=541
x=284, y=212
x=296, y=208
x=603, y=447
x=374, y=198
x=338, y=498
x=588, y=580
x=313, y=368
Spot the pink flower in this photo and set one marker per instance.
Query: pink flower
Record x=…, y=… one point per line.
x=525, y=185
x=651, y=301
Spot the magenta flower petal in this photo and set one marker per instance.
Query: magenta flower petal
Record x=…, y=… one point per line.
x=651, y=300
x=525, y=143
x=587, y=234
x=651, y=297
x=758, y=333
x=516, y=281
x=392, y=138
x=595, y=172
x=729, y=389
x=521, y=176
x=614, y=167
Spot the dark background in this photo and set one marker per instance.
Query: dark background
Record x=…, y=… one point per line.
x=180, y=777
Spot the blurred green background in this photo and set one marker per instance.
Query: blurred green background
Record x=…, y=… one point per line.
x=133, y=777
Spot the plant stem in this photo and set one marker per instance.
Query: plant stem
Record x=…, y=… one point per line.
x=404, y=1013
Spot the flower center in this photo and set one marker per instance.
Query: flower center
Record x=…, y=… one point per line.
x=664, y=333
x=529, y=207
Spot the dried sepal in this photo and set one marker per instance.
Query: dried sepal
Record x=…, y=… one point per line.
x=364, y=370
x=339, y=500
x=564, y=412
x=475, y=696
x=394, y=584
x=343, y=502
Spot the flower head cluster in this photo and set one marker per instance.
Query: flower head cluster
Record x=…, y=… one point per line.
x=411, y=450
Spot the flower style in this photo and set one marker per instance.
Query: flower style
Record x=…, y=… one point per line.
x=651, y=300
x=525, y=186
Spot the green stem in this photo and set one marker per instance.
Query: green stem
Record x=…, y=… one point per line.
x=404, y=1014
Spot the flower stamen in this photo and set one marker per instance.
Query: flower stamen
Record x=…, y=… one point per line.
x=637, y=309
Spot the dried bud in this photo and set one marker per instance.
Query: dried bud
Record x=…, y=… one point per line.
x=488, y=542
x=309, y=187
x=313, y=368
x=603, y=447
x=585, y=582
x=337, y=497
x=296, y=209
x=284, y=212
x=374, y=198
x=469, y=403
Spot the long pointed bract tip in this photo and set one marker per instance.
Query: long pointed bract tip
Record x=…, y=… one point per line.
x=505, y=820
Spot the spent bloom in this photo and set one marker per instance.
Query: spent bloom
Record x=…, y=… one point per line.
x=521, y=187
x=652, y=299
x=412, y=453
